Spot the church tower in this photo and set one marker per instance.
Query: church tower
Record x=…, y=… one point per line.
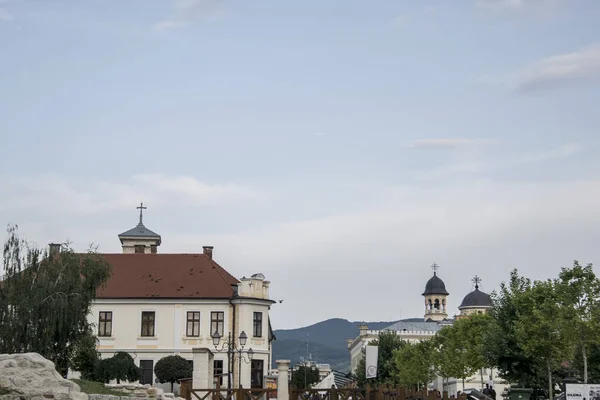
x=435, y=297
x=476, y=302
x=140, y=239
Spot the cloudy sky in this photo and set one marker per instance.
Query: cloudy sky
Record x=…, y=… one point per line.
x=340, y=147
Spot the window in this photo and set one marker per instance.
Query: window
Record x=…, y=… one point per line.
x=217, y=322
x=153, y=249
x=257, y=324
x=139, y=248
x=256, y=374
x=105, y=323
x=148, y=323
x=146, y=369
x=193, y=324
x=218, y=370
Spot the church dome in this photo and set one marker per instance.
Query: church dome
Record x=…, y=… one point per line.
x=476, y=299
x=435, y=286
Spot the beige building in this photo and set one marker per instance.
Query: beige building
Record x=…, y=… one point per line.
x=155, y=305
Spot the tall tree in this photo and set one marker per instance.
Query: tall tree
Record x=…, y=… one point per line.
x=304, y=376
x=45, y=298
x=453, y=354
x=541, y=327
x=414, y=364
x=387, y=342
x=473, y=330
x=579, y=288
x=503, y=350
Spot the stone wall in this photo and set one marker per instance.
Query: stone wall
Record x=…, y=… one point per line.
x=135, y=390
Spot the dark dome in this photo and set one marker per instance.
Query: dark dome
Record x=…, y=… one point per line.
x=435, y=286
x=476, y=298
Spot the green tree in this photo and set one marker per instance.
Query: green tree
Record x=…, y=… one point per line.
x=86, y=356
x=473, y=330
x=593, y=361
x=503, y=350
x=171, y=369
x=120, y=367
x=387, y=342
x=541, y=328
x=579, y=289
x=414, y=364
x=304, y=376
x=45, y=298
x=452, y=353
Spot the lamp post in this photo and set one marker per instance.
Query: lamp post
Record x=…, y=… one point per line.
x=232, y=348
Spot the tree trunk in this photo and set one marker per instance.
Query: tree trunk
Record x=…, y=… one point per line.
x=481, y=372
x=585, y=363
x=550, y=385
x=172, y=388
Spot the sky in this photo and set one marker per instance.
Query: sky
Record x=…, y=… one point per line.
x=338, y=147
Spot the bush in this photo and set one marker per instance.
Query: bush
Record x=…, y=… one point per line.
x=120, y=367
x=171, y=369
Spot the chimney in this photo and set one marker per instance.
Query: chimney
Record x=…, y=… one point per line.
x=54, y=248
x=208, y=250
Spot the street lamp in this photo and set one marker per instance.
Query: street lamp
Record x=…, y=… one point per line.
x=232, y=348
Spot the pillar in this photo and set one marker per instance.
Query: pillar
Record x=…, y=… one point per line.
x=283, y=380
x=203, y=374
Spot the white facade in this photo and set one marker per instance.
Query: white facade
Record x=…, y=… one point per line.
x=172, y=336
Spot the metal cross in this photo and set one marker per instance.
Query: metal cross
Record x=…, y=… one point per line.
x=435, y=268
x=141, y=208
x=476, y=280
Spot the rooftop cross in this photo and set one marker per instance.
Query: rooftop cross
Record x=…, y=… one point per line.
x=141, y=208
x=476, y=280
x=435, y=268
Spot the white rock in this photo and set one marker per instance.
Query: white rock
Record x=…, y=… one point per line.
x=31, y=375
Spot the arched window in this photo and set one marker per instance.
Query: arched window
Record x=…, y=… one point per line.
x=436, y=305
x=430, y=305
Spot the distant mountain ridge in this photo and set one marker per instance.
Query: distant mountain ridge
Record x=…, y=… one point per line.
x=323, y=342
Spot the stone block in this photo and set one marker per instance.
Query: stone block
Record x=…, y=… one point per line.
x=31, y=376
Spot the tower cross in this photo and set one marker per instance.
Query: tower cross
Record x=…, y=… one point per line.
x=476, y=280
x=141, y=208
x=435, y=268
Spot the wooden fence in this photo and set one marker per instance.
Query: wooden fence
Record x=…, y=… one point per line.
x=230, y=394
x=369, y=393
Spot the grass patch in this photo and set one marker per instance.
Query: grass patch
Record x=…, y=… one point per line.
x=90, y=387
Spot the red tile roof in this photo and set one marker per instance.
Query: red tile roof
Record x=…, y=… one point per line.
x=166, y=276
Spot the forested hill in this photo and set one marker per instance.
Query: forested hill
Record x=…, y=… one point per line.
x=326, y=342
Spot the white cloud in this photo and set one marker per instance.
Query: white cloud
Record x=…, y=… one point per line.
x=187, y=11
x=445, y=143
x=374, y=261
x=58, y=195
x=517, y=5
x=5, y=15
x=559, y=69
x=371, y=262
x=564, y=151
x=474, y=163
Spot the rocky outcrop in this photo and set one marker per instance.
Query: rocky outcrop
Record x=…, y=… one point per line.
x=30, y=376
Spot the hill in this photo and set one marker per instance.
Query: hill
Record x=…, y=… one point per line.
x=324, y=342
